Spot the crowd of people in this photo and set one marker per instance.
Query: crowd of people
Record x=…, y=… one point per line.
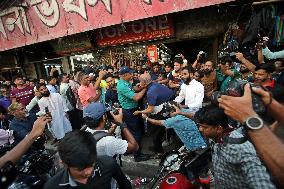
x=94, y=116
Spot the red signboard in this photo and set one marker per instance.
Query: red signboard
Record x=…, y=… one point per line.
x=152, y=53
x=141, y=30
x=40, y=20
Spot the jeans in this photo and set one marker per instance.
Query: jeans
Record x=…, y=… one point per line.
x=135, y=125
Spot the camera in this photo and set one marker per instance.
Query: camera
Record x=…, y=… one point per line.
x=236, y=89
x=168, y=108
x=202, y=56
x=113, y=108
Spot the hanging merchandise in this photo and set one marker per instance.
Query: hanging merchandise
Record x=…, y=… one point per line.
x=261, y=22
x=152, y=53
x=279, y=32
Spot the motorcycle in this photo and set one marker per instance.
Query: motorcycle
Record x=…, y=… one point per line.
x=33, y=170
x=183, y=170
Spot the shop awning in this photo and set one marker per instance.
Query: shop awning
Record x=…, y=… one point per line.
x=40, y=20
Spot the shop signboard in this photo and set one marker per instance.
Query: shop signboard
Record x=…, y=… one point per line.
x=152, y=28
x=152, y=53
x=35, y=21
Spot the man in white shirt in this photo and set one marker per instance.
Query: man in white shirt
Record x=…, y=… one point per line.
x=192, y=91
x=60, y=124
x=95, y=118
x=51, y=86
x=70, y=101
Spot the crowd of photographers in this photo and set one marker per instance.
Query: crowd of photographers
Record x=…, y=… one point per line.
x=94, y=116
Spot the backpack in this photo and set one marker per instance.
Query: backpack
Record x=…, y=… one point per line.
x=98, y=135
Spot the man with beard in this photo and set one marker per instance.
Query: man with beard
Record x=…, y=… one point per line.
x=192, y=92
x=262, y=76
x=246, y=74
x=57, y=107
x=209, y=80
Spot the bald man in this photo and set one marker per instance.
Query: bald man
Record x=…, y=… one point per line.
x=157, y=95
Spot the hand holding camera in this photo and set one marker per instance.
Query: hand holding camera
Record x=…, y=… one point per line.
x=118, y=118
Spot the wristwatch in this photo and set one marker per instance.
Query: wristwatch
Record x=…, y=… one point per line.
x=254, y=123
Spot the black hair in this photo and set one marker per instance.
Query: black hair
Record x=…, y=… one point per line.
x=269, y=68
x=178, y=60
x=78, y=149
x=107, y=76
x=62, y=75
x=200, y=73
x=92, y=123
x=5, y=87
x=16, y=77
x=189, y=69
x=211, y=115
x=39, y=85
x=49, y=78
x=228, y=60
x=169, y=65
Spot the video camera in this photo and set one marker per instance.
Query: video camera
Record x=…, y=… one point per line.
x=236, y=89
x=168, y=108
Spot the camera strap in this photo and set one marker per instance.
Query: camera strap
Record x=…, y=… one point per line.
x=98, y=135
x=230, y=140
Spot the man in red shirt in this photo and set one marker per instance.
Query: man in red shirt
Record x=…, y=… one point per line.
x=22, y=93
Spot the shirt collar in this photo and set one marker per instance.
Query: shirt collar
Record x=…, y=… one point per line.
x=68, y=180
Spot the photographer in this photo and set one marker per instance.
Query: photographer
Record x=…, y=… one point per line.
x=235, y=163
x=184, y=127
x=18, y=151
x=226, y=73
x=267, y=144
x=95, y=116
x=245, y=61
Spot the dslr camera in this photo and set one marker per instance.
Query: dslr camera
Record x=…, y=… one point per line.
x=236, y=89
x=202, y=56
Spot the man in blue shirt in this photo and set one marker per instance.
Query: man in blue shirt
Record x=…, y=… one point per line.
x=128, y=99
x=184, y=127
x=22, y=122
x=157, y=95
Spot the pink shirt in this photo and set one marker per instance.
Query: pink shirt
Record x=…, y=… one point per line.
x=85, y=93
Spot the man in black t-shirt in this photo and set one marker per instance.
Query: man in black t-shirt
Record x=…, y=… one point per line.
x=83, y=169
